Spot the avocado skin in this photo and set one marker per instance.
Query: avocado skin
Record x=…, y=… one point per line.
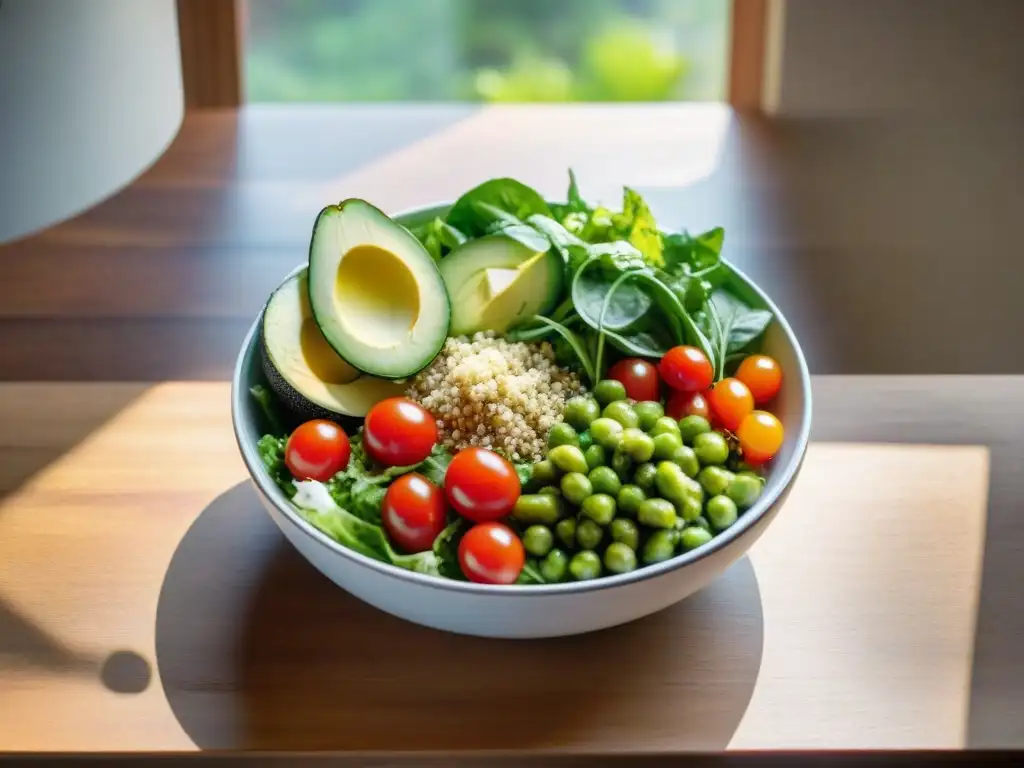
x=300, y=409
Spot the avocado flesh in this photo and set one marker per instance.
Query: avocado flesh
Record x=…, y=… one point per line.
x=375, y=292
x=301, y=367
x=496, y=282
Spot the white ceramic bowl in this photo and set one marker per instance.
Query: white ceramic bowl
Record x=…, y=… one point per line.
x=546, y=610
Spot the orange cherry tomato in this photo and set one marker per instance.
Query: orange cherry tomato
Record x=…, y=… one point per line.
x=763, y=377
x=317, y=450
x=760, y=435
x=683, y=404
x=730, y=402
x=686, y=369
x=413, y=512
x=491, y=553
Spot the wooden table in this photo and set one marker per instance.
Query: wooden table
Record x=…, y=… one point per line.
x=146, y=603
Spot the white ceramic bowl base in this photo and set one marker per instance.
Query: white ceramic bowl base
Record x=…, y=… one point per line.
x=546, y=610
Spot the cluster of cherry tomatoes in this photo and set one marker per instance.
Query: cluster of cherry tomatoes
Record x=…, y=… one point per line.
x=728, y=404
x=479, y=485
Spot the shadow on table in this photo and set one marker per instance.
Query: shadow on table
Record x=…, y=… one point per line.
x=258, y=650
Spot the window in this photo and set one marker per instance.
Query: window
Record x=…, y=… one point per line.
x=485, y=50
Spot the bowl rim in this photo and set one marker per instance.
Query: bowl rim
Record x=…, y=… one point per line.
x=269, y=490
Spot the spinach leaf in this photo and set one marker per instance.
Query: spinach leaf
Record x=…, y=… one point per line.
x=684, y=254
x=574, y=342
x=733, y=325
x=446, y=549
x=604, y=299
x=559, y=236
x=268, y=404
x=576, y=202
x=530, y=574
x=524, y=234
x=504, y=194
x=438, y=237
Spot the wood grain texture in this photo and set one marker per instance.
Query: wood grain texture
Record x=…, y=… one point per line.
x=747, y=59
x=210, y=32
x=137, y=534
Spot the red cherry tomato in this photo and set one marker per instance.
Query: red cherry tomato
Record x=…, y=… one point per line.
x=760, y=435
x=481, y=485
x=730, y=402
x=763, y=377
x=682, y=404
x=317, y=450
x=399, y=432
x=413, y=512
x=491, y=553
x=639, y=377
x=686, y=369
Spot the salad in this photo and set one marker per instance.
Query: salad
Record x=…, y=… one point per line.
x=516, y=391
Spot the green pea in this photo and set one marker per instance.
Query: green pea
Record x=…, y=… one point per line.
x=606, y=433
x=622, y=412
x=686, y=458
x=666, y=425
x=562, y=434
x=637, y=444
x=580, y=411
x=533, y=508
x=644, y=476
x=665, y=445
x=554, y=566
x=721, y=512
x=625, y=531
x=623, y=465
x=744, y=489
x=710, y=447
x=566, y=532
x=568, y=458
x=648, y=412
x=691, y=538
x=701, y=522
x=691, y=426
x=715, y=480
x=657, y=513
x=576, y=487
x=605, y=480
x=585, y=565
x=689, y=508
x=619, y=558
x=551, y=490
x=588, y=534
x=538, y=540
x=671, y=482
x=585, y=441
x=543, y=472
x=608, y=391
x=600, y=508
x=595, y=456
x=660, y=546
x=629, y=500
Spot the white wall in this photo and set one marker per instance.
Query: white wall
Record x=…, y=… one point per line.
x=90, y=95
x=843, y=57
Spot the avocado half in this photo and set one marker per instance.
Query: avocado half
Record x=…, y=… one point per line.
x=375, y=292
x=302, y=368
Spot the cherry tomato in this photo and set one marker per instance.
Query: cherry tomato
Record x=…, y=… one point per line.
x=682, y=404
x=730, y=402
x=639, y=377
x=491, y=553
x=686, y=369
x=760, y=435
x=762, y=375
x=481, y=485
x=317, y=450
x=399, y=432
x=413, y=512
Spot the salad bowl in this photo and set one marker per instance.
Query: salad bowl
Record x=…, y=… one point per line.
x=544, y=610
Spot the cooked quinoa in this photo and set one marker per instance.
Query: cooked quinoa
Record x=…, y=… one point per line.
x=495, y=393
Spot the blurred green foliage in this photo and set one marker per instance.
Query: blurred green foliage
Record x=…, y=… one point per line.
x=486, y=50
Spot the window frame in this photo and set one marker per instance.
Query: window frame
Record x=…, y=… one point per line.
x=210, y=35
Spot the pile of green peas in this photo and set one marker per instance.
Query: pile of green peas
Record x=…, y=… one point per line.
x=623, y=486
